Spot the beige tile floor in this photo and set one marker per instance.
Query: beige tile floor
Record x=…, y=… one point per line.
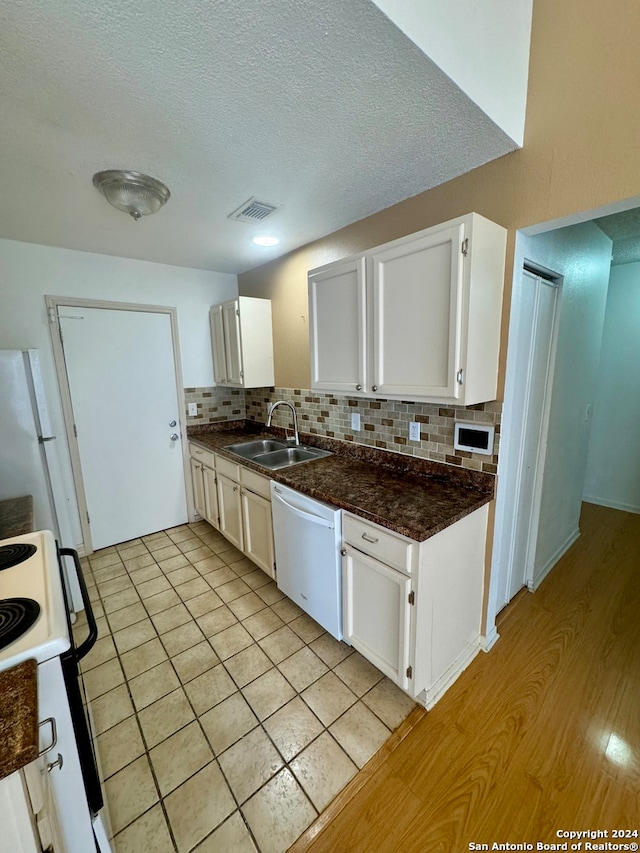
x=227, y=719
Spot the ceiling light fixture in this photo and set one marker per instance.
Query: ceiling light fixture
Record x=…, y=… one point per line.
x=132, y=192
x=266, y=240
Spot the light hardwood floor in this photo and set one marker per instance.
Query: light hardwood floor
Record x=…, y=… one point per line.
x=542, y=734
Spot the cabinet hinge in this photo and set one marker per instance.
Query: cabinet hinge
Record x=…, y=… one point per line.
x=88, y=519
x=237, y=312
x=75, y=430
x=465, y=246
x=53, y=314
x=412, y=597
x=460, y=377
x=409, y=672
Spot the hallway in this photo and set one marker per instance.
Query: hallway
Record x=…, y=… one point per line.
x=539, y=736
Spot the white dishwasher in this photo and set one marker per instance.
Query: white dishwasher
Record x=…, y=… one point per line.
x=308, y=536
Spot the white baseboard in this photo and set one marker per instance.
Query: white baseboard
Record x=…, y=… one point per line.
x=560, y=552
x=430, y=696
x=488, y=641
x=591, y=499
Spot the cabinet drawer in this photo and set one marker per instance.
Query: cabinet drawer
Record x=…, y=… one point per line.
x=255, y=482
x=388, y=547
x=228, y=468
x=205, y=456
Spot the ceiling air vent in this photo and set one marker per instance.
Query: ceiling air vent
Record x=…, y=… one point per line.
x=253, y=211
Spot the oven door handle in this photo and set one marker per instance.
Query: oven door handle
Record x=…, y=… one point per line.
x=85, y=647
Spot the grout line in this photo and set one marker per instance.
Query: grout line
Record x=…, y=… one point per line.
x=182, y=686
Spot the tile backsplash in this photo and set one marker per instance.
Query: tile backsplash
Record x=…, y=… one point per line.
x=215, y=404
x=383, y=423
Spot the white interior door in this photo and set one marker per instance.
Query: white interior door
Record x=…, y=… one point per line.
x=530, y=375
x=122, y=381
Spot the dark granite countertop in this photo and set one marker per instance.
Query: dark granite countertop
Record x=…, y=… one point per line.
x=414, y=497
x=16, y=516
x=18, y=717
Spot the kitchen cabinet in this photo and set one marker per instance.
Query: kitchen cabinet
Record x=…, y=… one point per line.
x=376, y=612
x=414, y=319
x=414, y=609
x=203, y=478
x=242, y=343
x=28, y=813
x=229, y=500
x=257, y=524
x=236, y=501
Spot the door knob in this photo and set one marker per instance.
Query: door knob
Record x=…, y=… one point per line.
x=173, y=423
x=175, y=436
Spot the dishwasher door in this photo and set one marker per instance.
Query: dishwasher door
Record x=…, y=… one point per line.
x=308, y=537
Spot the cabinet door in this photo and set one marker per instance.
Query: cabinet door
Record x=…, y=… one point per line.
x=232, y=342
x=217, y=344
x=337, y=321
x=210, y=495
x=258, y=531
x=199, y=501
x=417, y=316
x=377, y=613
x=230, y=510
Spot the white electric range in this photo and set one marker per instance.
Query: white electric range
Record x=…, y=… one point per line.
x=35, y=622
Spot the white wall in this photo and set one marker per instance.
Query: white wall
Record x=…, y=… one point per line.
x=483, y=47
x=28, y=272
x=613, y=462
x=582, y=255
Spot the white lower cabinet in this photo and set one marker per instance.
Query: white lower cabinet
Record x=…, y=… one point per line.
x=236, y=501
x=230, y=510
x=414, y=609
x=197, y=480
x=203, y=478
x=258, y=530
x=211, y=512
x=376, y=612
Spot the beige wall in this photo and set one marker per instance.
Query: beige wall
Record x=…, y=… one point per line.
x=580, y=152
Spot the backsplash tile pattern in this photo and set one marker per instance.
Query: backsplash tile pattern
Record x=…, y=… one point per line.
x=383, y=423
x=215, y=404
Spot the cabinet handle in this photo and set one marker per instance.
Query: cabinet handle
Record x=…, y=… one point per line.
x=343, y=551
x=358, y=387
x=57, y=763
x=374, y=387
x=371, y=539
x=54, y=735
x=235, y=488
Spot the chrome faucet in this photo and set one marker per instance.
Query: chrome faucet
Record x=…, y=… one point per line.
x=296, y=438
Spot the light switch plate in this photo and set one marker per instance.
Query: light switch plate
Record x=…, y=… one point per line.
x=193, y=410
x=355, y=421
x=414, y=431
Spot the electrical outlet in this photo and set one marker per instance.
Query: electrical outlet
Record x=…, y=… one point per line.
x=355, y=421
x=414, y=431
x=193, y=410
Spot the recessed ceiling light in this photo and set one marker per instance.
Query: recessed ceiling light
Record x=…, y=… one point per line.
x=266, y=240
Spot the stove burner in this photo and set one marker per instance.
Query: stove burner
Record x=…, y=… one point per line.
x=18, y=552
x=17, y=615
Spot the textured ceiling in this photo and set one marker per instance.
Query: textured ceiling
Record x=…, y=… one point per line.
x=321, y=106
x=624, y=229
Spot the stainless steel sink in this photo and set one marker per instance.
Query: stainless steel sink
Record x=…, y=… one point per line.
x=250, y=449
x=273, y=454
x=289, y=456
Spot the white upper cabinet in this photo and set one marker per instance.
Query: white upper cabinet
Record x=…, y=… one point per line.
x=337, y=316
x=242, y=342
x=415, y=319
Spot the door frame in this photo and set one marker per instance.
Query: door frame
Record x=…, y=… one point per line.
x=508, y=492
x=53, y=304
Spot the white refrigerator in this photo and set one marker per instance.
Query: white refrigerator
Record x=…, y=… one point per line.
x=29, y=450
